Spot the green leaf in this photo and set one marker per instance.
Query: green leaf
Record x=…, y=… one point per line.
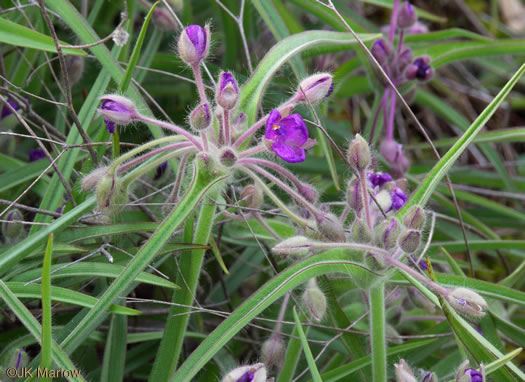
x=47, y=340
x=307, y=352
x=15, y=34
x=115, y=350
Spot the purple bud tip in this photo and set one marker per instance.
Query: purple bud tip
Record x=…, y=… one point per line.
x=227, y=78
x=36, y=154
x=6, y=111
x=228, y=92
x=197, y=36
x=18, y=359
x=286, y=136
x=421, y=263
x=246, y=377
x=427, y=378
x=110, y=125
x=475, y=376
x=399, y=198
x=160, y=170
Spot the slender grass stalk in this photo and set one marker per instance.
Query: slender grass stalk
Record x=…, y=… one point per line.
x=46, y=360
x=377, y=329
x=307, y=352
x=293, y=354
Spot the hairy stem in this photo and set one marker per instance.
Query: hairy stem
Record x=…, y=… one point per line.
x=376, y=297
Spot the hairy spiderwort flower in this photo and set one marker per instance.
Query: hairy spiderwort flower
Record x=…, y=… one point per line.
x=252, y=373
x=358, y=153
x=194, y=44
x=287, y=136
x=383, y=51
x=410, y=240
x=314, y=300
x=475, y=376
x=399, y=198
x=273, y=351
x=36, y=154
x=407, y=16
x=430, y=377
x=11, y=229
x=466, y=374
x=200, y=117
x=467, y=302
x=415, y=218
x=117, y=110
x=377, y=179
x=404, y=372
x=296, y=246
x=315, y=88
x=227, y=91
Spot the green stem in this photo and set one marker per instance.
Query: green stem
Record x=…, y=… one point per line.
x=377, y=329
x=190, y=267
x=293, y=353
x=47, y=341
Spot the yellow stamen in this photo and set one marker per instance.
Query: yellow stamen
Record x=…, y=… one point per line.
x=276, y=127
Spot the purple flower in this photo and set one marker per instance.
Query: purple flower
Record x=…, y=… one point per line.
x=475, y=376
x=420, y=69
x=421, y=263
x=36, y=154
x=193, y=44
x=377, y=179
x=246, y=377
x=286, y=136
x=160, y=170
x=399, y=198
x=6, y=111
x=228, y=91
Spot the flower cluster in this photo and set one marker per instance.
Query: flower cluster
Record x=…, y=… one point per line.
x=464, y=374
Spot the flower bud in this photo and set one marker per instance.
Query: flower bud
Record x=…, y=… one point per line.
x=92, y=179
x=331, y=228
x=404, y=372
x=430, y=377
x=252, y=373
x=273, y=351
x=387, y=233
x=407, y=16
x=117, y=110
x=415, y=218
x=296, y=246
x=359, y=153
x=75, y=68
x=110, y=194
x=252, y=196
x=163, y=19
x=353, y=195
x=308, y=192
x=227, y=91
x=194, y=44
x=200, y=117
x=18, y=360
x=467, y=374
x=382, y=50
x=12, y=230
x=314, y=300
x=315, y=89
x=360, y=232
x=393, y=335
x=160, y=170
x=420, y=69
x=410, y=240
x=227, y=157
x=404, y=59
x=420, y=300
x=467, y=302
x=239, y=126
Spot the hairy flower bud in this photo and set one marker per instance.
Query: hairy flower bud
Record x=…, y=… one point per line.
x=110, y=194
x=331, y=228
x=404, y=59
x=404, y=372
x=359, y=153
x=410, y=240
x=360, y=232
x=227, y=91
x=36, y=154
x=12, y=230
x=75, y=68
x=315, y=89
x=227, y=157
x=252, y=196
x=194, y=44
x=353, y=195
x=382, y=50
x=415, y=218
x=420, y=300
x=92, y=179
x=467, y=302
x=252, y=373
x=308, y=192
x=466, y=374
x=314, y=300
x=407, y=16
x=430, y=377
x=200, y=117
x=387, y=233
x=273, y=351
x=296, y=246
x=117, y=110
x=19, y=359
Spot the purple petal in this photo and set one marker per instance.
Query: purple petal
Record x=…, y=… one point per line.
x=475, y=376
x=271, y=133
x=289, y=153
x=110, y=125
x=398, y=198
x=197, y=36
x=160, y=170
x=295, y=131
x=377, y=179
x=227, y=78
x=6, y=111
x=114, y=106
x=246, y=377
x=36, y=154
